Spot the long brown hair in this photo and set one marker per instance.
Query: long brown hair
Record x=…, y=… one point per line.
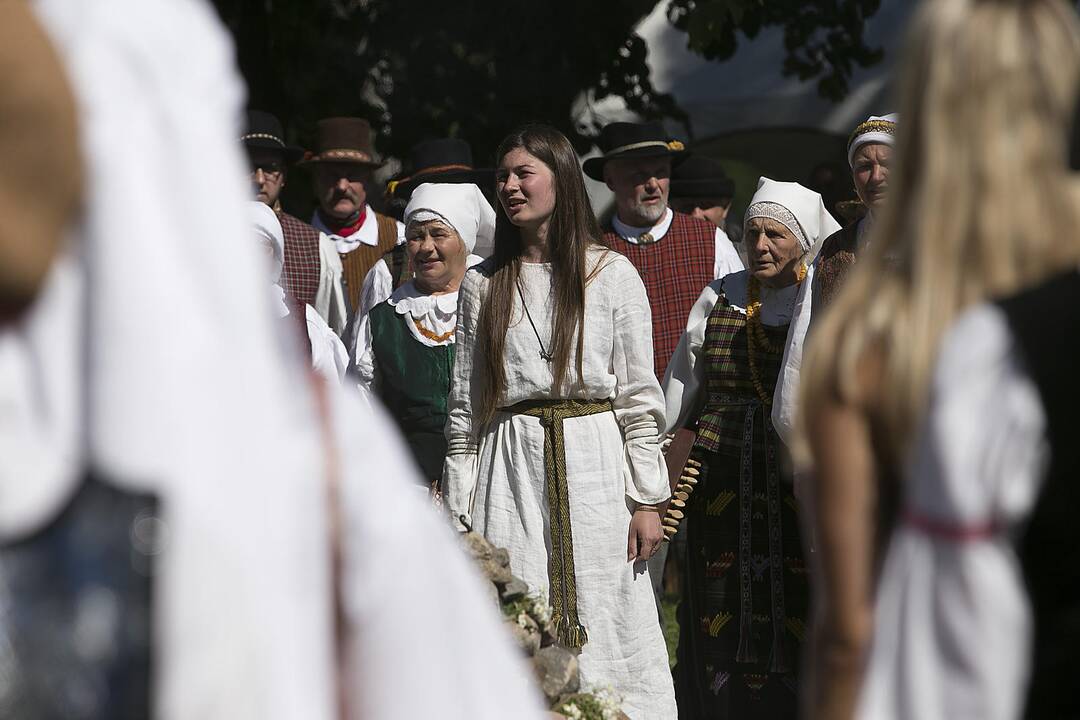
x=572, y=230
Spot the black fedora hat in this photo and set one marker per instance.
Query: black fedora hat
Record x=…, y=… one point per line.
x=264, y=131
x=701, y=176
x=442, y=160
x=632, y=140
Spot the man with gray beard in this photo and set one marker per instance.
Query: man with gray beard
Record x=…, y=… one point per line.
x=677, y=255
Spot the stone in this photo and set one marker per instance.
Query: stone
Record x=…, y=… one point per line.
x=525, y=632
x=516, y=589
x=557, y=671
x=501, y=556
x=477, y=546
x=495, y=572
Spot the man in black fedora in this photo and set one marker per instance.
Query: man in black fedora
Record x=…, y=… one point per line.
x=343, y=168
x=306, y=274
x=442, y=160
x=701, y=188
x=677, y=255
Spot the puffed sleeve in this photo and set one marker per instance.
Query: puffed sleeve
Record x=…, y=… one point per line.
x=460, y=467
x=685, y=375
x=638, y=402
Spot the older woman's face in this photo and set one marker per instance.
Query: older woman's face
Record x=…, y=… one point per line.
x=773, y=253
x=870, y=171
x=437, y=255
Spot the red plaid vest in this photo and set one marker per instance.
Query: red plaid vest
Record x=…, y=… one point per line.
x=300, y=272
x=675, y=270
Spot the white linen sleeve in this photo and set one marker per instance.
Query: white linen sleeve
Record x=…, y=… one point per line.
x=328, y=355
x=786, y=394
x=638, y=402
x=685, y=376
x=364, y=354
x=378, y=286
x=330, y=297
x=425, y=641
x=726, y=258
x=460, y=467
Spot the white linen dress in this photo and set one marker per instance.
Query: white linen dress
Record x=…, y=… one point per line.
x=495, y=474
x=953, y=624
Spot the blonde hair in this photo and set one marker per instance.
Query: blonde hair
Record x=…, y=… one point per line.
x=981, y=201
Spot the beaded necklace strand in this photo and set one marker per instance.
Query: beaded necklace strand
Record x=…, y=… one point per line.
x=757, y=342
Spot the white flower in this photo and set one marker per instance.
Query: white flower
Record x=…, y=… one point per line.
x=573, y=711
x=540, y=608
x=522, y=620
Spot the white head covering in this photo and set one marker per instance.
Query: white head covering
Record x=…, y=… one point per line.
x=461, y=206
x=268, y=227
x=874, y=129
x=799, y=209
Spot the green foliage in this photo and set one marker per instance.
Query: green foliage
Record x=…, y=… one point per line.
x=822, y=40
x=472, y=69
x=475, y=69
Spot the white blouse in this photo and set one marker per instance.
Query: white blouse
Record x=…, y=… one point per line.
x=436, y=313
x=953, y=625
x=684, y=380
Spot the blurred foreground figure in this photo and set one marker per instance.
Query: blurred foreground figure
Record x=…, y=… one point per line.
x=981, y=206
x=179, y=537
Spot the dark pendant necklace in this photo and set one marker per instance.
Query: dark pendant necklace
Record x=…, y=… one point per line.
x=544, y=353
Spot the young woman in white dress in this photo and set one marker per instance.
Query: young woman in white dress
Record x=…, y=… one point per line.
x=555, y=418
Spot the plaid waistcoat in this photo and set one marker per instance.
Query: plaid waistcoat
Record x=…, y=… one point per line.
x=732, y=403
x=300, y=272
x=675, y=270
x=356, y=263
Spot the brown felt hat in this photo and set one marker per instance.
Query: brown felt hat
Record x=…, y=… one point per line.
x=344, y=140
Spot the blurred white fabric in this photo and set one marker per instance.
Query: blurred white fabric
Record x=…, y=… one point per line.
x=953, y=626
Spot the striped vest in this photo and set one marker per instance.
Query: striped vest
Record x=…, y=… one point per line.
x=675, y=270
x=356, y=264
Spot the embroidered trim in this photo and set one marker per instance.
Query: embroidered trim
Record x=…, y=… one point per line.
x=872, y=126
x=262, y=136
x=779, y=213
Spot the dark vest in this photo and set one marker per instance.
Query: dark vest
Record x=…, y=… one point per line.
x=675, y=270
x=413, y=383
x=1045, y=322
x=834, y=263
x=301, y=269
x=356, y=264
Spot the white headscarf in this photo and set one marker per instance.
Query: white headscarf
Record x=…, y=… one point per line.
x=874, y=129
x=461, y=206
x=799, y=209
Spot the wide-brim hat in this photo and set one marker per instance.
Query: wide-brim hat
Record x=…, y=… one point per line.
x=632, y=140
x=265, y=131
x=443, y=160
x=699, y=176
x=343, y=140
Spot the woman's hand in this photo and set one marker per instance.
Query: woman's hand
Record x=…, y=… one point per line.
x=645, y=534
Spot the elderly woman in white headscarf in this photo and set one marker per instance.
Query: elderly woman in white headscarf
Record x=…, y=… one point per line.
x=745, y=597
x=315, y=338
x=405, y=345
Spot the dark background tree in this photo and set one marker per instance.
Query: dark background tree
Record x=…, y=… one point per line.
x=475, y=68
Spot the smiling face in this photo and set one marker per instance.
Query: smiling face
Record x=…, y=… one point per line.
x=437, y=255
x=341, y=188
x=641, y=188
x=773, y=253
x=526, y=188
x=870, y=171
